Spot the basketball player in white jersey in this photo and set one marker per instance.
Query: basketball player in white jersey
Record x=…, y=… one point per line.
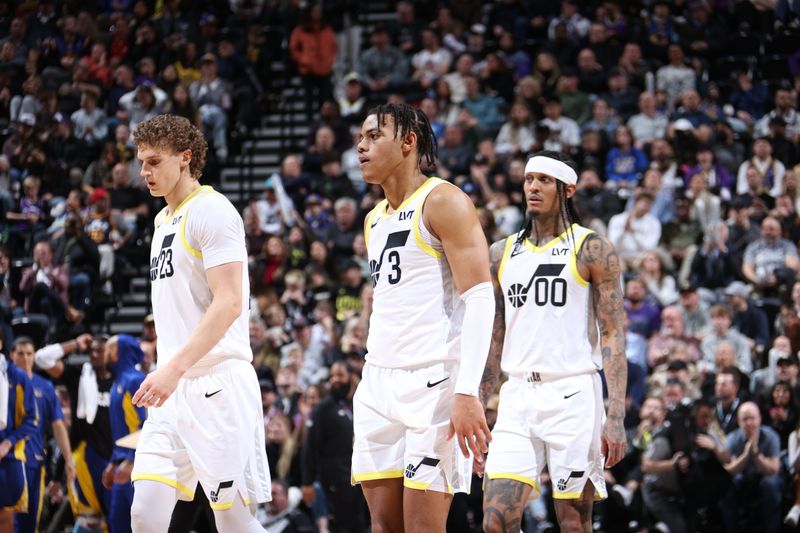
x=558, y=294
x=205, y=420
x=417, y=415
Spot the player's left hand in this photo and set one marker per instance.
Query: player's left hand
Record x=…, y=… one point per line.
x=613, y=441
x=468, y=423
x=157, y=387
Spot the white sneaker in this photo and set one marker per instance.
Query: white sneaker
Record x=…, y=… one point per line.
x=624, y=494
x=793, y=516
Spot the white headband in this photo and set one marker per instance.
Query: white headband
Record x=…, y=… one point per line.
x=552, y=167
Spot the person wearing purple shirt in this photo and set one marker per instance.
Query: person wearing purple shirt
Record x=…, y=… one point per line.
x=644, y=317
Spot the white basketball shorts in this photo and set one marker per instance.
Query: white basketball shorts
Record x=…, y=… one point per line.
x=557, y=424
x=401, y=418
x=210, y=430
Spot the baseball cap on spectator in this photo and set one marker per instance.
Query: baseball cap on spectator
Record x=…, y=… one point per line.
x=299, y=322
x=266, y=384
x=97, y=195
x=208, y=58
x=737, y=288
x=740, y=202
x=617, y=71
x=207, y=18
x=313, y=199
x=686, y=287
x=469, y=188
x=347, y=265
x=29, y=119
x=675, y=366
x=682, y=124
x=149, y=319
x=60, y=118
x=352, y=77
x=788, y=359
x=269, y=183
x=380, y=28
x=478, y=29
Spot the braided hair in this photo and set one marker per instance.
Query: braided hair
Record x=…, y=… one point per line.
x=566, y=207
x=407, y=119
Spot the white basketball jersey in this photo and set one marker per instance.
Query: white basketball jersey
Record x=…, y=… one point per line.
x=204, y=231
x=417, y=310
x=547, y=306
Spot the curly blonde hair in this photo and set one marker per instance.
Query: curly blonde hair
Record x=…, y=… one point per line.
x=174, y=133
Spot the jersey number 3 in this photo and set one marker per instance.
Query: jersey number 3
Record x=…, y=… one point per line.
x=161, y=265
x=393, y=242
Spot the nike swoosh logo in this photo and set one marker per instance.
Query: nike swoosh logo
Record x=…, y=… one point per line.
x=374, y=224
x=516, y=251
x=431, y=385
x=213, y=393
x=568, y=396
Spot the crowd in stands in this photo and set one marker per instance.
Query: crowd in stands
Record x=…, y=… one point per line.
x=682, y=118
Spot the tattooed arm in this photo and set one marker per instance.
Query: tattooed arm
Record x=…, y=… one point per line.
x=492, y=371
x=600, y=261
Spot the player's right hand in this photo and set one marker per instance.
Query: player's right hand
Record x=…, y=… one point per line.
x=468, y=424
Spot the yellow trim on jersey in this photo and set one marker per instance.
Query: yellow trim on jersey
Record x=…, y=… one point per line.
x=533, y=248
x=576, y=495
x=424, y=246
x=372, y=476
x=573, y=260
x=19, y=416
x=516, y=477
x=182, y=229
x=132, y=419
x=368, y=220
x=84, y=480
x=416, y=485
x=383, y=212
x=506, y=254
x=203, y=188
x=22, y=504
x=41, y=497
x=165, y=480
x=221, y=506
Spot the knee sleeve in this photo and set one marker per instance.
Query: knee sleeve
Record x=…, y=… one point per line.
x=152, y=507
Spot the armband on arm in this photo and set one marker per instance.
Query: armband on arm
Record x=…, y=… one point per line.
x=476, y=335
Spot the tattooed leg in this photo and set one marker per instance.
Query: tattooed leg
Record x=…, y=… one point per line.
x=576, y=515
x=503, y=504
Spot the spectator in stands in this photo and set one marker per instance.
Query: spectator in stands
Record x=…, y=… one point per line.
x=29, y=218
x=670, y=335
x=126, y=201
x=212, y=95
x=779, y=410
x=482, y=107
x=313, y=47
x=334, y=183
x=689, y=122
x=146, y=101
x=675, y=78
x=755, y=469
x=771, y=262
x=727, y=387
x=352, y=103
x=328, y=449
x=180, y=103
x=45, y=284
x=341, y=234
x=644, y=316
x=454, y=154
x=636, y=231
x=712, y=266
x=433, y=61
x=748, y=319
x=620, y=97
x=750, y=99
x=769, y=169
x=564, y=129
x=783, y=149
x=594, y=197
x=695, y=311
x=603, y=124
x=281, y=515
x=721, y=321
x=649, y=123
x=576, y=25
x=383, y=67
x=786, y=108
x=680, y=235
x=574, y=103
x=80, y=257
x=590, y=72
x=653, y=268
x=625, y=162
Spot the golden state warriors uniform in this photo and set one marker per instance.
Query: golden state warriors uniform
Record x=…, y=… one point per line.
x=551, y=408
x=403, y=403
x=211, y=428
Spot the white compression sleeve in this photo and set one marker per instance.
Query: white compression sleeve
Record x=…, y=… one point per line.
x=476, y=335
x=47, y=357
